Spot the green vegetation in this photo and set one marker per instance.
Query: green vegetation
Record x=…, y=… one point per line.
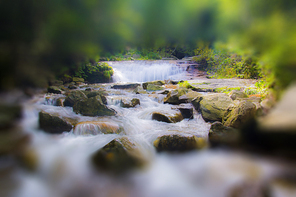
x=184, y=84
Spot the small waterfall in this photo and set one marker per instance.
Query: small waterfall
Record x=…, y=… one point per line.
x=143, y=71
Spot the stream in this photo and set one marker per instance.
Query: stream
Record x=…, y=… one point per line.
x=65, y=169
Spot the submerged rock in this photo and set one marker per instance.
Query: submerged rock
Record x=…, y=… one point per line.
x=186, y=110
x=53, y=124
x=214, y=106
x=118, y=156
x=173, y=143
x=170, y=116
x=97, y=127
x=157, y=83
x=93, y=106
x=129, y=102
x=74, y=97
x=54, y=89
x=220, y=134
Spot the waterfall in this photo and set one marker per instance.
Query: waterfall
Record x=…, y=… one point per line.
x=143, y=71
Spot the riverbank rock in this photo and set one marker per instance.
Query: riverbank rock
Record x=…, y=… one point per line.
x=54, y=89
x=186, y=110
x=220, y=134
x=169, y=116
x=239, y=113
x=214, y=106
x=118, y=156
x=126, y=86
x=178, y=143
x=173, y=96
x=129, y=102
x=235, y=94
x=53, y=124
x=152, y=87
x=157, y=83
x=188, y=97
x=93, y=106
x=74, y=97
x=97, y=127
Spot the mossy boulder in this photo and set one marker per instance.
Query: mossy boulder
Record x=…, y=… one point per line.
x=173, y=96
x=235, y=94
x=97, y=127
x=129, y=102
x=214, y=106
x=239, y=114
x=223, y=135
x=54, y=89
x=139, y=90
x=186, y=110
x=126, y=86
x=93, y=106
x=74, y=97
x=77, y=79
x=53, y=123
x=152, y=87
x=188, y=97
x=169, y=116
x=178, y=143
x=118, y=156
x=158, y=83
x=94, y=93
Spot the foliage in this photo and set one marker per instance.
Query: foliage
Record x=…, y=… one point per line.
x=184, y=84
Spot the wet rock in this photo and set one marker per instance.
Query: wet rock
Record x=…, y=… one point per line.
x=220, y=134
x=9, y=114
x=60, y=102
x=178, y=143
x=118, y=156
x=158, y=83
x=214, y=106
x=152, y=87
x=139, y=90
x=164, y=92
x=234, y=94
x=90, y=94
x=170, y=116
x=126, y=86
x=97, y=127
x=173, y=96
x=188, y=97
x=54, y=89
x=239, y=113
x=74, y=97
x=93, y=106
x=72, y=87
x=129, y=102
x=53, y=124
x=186, y=110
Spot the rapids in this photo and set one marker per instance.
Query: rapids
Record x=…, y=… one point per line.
x=64, y=160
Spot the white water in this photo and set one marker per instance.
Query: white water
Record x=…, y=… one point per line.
x=64, y=160
x=143, y=71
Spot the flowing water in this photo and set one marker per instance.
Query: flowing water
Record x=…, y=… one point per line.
x=64, y=160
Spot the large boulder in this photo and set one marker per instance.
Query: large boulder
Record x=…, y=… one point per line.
x=185, y=109
x=152, y=87
x=178, y=143
x=53, y=123
x=97, y=127
x=214, y=106
x=235, y=94
x=220, y=134
x=169, y=116
x=93, y=106
x=239, y=113
x=54, y=89
x=118, y=156
x=100, y=93
x=158, y=83
x=74, y=97
x=129, y=102
x=188, y=97
x=173, y=96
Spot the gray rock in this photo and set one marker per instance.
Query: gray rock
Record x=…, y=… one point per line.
x=152, y=87
x=126, y=86
x=53, y=124
x=74, y=97
x=220, y=134
x=186, y=110
x=158, y=83
x=171, y=116
x=129, y=102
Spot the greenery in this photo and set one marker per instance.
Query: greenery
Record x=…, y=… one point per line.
x=184, y=84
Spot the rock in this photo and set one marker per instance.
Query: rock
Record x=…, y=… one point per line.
x=129, y=102
x=173, y=96
x=139, y=90
x=13, y=141
x=9, y=114
x=239, y=114
x=29, y=159
x=220, y=134
x=53, y=124
x=196, y=102
x=93, y=106
x=186, y=110
x=118, y=156
x=171, y=116
x=97, y=127
x=54, y=89
x=74, y=97
x=60, y=102
x=234, y=94
x=158, y=83
x=72, y=87
x=90, y=94
x=77, y=79
x=88, y=89
x=55, y=83
x=214, y=106
x=126, y=86
x=188, y=97
x=66, y=79
x=164, y=92
x=178, y=143
x=152, y=87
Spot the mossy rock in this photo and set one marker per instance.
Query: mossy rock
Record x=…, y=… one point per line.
x=173, y=96
x=152, y=87
x=178, y=143
x=158, y=83
x=53, y=124
x=235, y=94
x=139, y=90
x=129, y=102
x=223, y=135
x=77, y=79
x=170, y=116
x=126, y=86
x=100, y=93
x=93, y=106
x=188, y=97
x=239, y=114
x=214, y=106
x=54, y=89
x=118, y=156
x=74, y=97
